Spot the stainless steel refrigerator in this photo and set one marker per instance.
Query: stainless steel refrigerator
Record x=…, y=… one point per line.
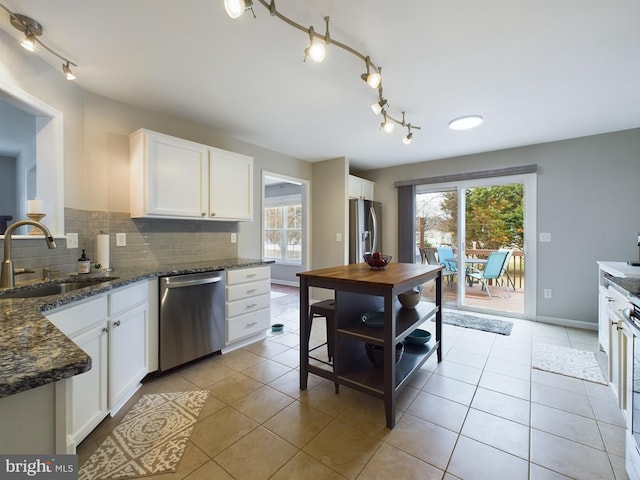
x=365, y=228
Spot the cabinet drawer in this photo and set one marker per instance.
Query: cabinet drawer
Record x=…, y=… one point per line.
x=245, y=290
x=125, y=298
x=247, y=305
x=75, y=319
x=242, y=275
x=247, y=324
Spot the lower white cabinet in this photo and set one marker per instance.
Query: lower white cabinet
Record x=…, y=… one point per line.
x=248, y=302
x=113, y=329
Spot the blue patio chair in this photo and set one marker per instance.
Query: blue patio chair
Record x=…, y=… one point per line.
x=493, y=270
x=448, y=261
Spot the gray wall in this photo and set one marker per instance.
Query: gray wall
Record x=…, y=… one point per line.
x=587, y=198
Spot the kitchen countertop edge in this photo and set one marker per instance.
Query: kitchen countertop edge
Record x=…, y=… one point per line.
x=33, y=352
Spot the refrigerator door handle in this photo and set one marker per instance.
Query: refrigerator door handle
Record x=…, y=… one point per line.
x=374, y=222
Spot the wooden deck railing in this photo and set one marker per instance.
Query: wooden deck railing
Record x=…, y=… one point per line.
x=515, y=267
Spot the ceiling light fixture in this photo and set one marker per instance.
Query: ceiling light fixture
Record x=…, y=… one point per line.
x=466, y=122
x=407, y=140
x=236, y=8
x=316, y=49
x=373, y=77
x=32, y=30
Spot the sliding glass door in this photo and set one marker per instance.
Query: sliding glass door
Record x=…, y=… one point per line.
x=470, y=221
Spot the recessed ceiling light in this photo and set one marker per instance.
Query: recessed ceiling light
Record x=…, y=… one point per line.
x=466, y=122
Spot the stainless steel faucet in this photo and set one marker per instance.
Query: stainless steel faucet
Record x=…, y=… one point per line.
x=7, y=275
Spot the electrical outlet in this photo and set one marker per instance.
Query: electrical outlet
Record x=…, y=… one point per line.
x=545, y=237
x=72, y=240
x=338, y=237
x=547, y=293
x=234, y=237
x=121, y=239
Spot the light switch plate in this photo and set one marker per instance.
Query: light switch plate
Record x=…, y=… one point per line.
x=72, y=240
x=234, y=237
x=545, y=237
x=121, y=239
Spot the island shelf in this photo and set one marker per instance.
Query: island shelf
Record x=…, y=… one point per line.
x=358, y=290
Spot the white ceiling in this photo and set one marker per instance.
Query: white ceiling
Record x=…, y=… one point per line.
x=537, y=71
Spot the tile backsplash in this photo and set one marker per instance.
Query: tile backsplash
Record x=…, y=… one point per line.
x=149, y=242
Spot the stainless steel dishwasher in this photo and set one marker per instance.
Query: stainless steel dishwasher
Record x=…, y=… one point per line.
x=191, y=317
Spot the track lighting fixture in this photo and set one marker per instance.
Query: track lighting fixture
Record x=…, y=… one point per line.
x=66, y=69
x=317, y=49
x=32, y=30
x=407, y=140
x=29, y=42
x=387, y=125
x=373, y=79
x=378, y=106
x=236, y=8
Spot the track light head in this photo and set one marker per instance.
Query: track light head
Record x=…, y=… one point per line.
x=387, y=125
x=235, y=8
x=378, y=106
x=316, y=49
x=374, y=78
x=66, y=69
x=29, y=27
x=407, y=140
x=29, y=42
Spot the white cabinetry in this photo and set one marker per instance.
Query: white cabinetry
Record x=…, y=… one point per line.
x=248, y=302
x=360, y=188
x=175, y=178
x=113, y=329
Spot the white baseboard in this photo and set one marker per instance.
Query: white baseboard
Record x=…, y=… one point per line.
x=565, y=322
x=285, y=282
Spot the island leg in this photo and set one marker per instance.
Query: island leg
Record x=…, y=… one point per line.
x=304, y=333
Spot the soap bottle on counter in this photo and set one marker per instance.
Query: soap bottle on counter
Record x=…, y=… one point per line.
x=84, y=264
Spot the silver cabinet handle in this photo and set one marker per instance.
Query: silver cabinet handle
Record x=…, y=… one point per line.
x=253, y=305
x=252, y=324
x=204, y=214
x=251, y=290
x=213, y=214
x=105, y=330
x=116, y=323
x=251, y=275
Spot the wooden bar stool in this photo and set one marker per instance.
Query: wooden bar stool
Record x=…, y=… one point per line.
x=326, y=309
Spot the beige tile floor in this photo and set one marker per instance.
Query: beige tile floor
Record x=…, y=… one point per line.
x=483, y=413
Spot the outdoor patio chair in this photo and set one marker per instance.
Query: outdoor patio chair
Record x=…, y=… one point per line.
x=505, y=268
x=493, y=270
x=448, y=261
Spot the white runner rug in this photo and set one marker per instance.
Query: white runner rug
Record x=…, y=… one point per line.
x=567, y=361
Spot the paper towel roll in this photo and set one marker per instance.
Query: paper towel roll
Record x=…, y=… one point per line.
x=103, y=251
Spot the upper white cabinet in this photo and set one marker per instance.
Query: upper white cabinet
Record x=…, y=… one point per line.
x=360, y=188
x=176, y=178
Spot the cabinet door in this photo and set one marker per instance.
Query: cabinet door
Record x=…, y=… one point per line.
x=177, y=177
x=367, y=189
x=127, y=355
x=603, y=318
x=231, y=186
x=89, y=390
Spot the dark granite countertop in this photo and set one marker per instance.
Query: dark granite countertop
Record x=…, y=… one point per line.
x=630, y=286
x=33, y=352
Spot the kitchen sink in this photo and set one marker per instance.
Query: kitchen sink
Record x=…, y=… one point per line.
x=47, y=289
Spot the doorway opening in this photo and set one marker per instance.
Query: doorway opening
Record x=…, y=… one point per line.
x=461, y=226
x=285, y=226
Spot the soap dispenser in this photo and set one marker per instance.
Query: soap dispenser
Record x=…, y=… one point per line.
x=84, y=264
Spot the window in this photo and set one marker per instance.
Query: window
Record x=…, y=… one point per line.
x=283, y=233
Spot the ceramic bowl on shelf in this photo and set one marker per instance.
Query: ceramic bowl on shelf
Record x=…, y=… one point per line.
x=410, y=298
x=373, y=319
x=377, y=261
x=418, y=337
x=375, y=353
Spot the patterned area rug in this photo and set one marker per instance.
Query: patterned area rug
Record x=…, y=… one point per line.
x=492, y=325
x=149, y=440
x=567, y=361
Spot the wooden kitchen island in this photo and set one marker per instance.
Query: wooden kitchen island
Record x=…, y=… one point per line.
x=359, y=290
